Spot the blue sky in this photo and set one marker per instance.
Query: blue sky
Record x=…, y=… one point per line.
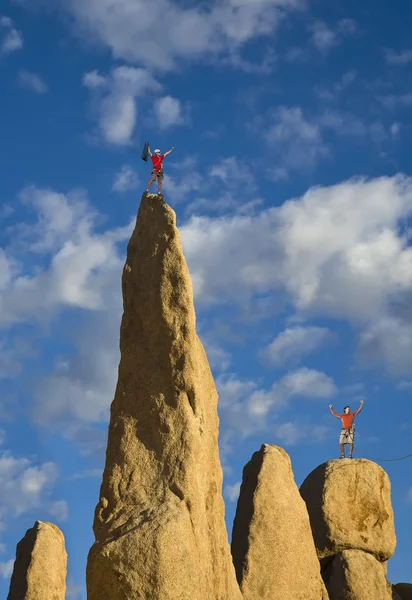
x=292, y=188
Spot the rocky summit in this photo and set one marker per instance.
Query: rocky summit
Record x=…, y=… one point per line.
x=41, y=564
x=350, y=507
x=159, y=524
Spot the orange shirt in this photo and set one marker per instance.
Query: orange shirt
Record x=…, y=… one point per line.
x=347, y=419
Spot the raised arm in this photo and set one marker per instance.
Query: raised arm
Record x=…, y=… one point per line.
x=149, y=151
x=335, y=414
x=169, y=151
x=360, y=408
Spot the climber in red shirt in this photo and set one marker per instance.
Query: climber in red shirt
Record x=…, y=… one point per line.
x=157, y=173
x=347, y=434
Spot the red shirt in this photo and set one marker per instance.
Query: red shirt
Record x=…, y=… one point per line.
x=347, y=419
x=157, y=160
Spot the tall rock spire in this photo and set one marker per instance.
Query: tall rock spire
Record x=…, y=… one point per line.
x=159, y=524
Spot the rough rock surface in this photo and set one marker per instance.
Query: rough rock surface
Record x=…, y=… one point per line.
x=40, y=567
x=404, y=590
x=272, y=544
x=356, y=575
x=349, y=506
x=159, y=524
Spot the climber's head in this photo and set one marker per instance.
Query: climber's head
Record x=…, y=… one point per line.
x=346, y=410
x=157, y=151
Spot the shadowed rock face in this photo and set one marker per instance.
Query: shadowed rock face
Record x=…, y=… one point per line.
x=159, y=524
x=404, y=590
x=272, y=544
x=350, y=507
x=357, y=575
x=41, y=565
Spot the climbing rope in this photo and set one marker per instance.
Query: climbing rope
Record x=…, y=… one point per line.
x=387, y=459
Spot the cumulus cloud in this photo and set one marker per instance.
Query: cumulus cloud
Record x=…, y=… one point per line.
x=294, y=343
x=168, y=112
x=10, y=38
x=114, y=100
x=247, y=408
x=171, y=31
x=126, y=179
x=80, y=264
x=389, y=340
x=297, y=140
x=32, y=82
x=24, y=485
x=337, y=251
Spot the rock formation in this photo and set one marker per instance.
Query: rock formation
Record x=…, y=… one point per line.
x=159, y=524
x=352, y=522
x=356, y=575
x=404, y=590
x=272, y=545
x=41, y=565
x=349, y=506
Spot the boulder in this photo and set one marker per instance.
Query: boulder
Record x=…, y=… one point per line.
x=159, y=524
x=356, y=575
x=272, y=544
x=349, y=506
x=404, y=590
x=40, y=567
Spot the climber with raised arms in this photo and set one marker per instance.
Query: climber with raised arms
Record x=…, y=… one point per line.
x=157, y=173
x=347, y=434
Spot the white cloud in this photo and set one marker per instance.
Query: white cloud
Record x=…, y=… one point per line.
x=32, y=82
x=126, y=180
x=247, y=409
x=11, y=39
x=389, y=340
x=81, y=264
x=24, y=485
x=80, y=387
x=295, y=342
x=6, y=568
x=308, y=383
x=398, y=58
x=298, y=141
x=324, y=38
x=59, y=510
x=234, y=174
x=232, y=491
x=114, y=100
x=337, y=251
x=168, y=112
x=171, y=31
